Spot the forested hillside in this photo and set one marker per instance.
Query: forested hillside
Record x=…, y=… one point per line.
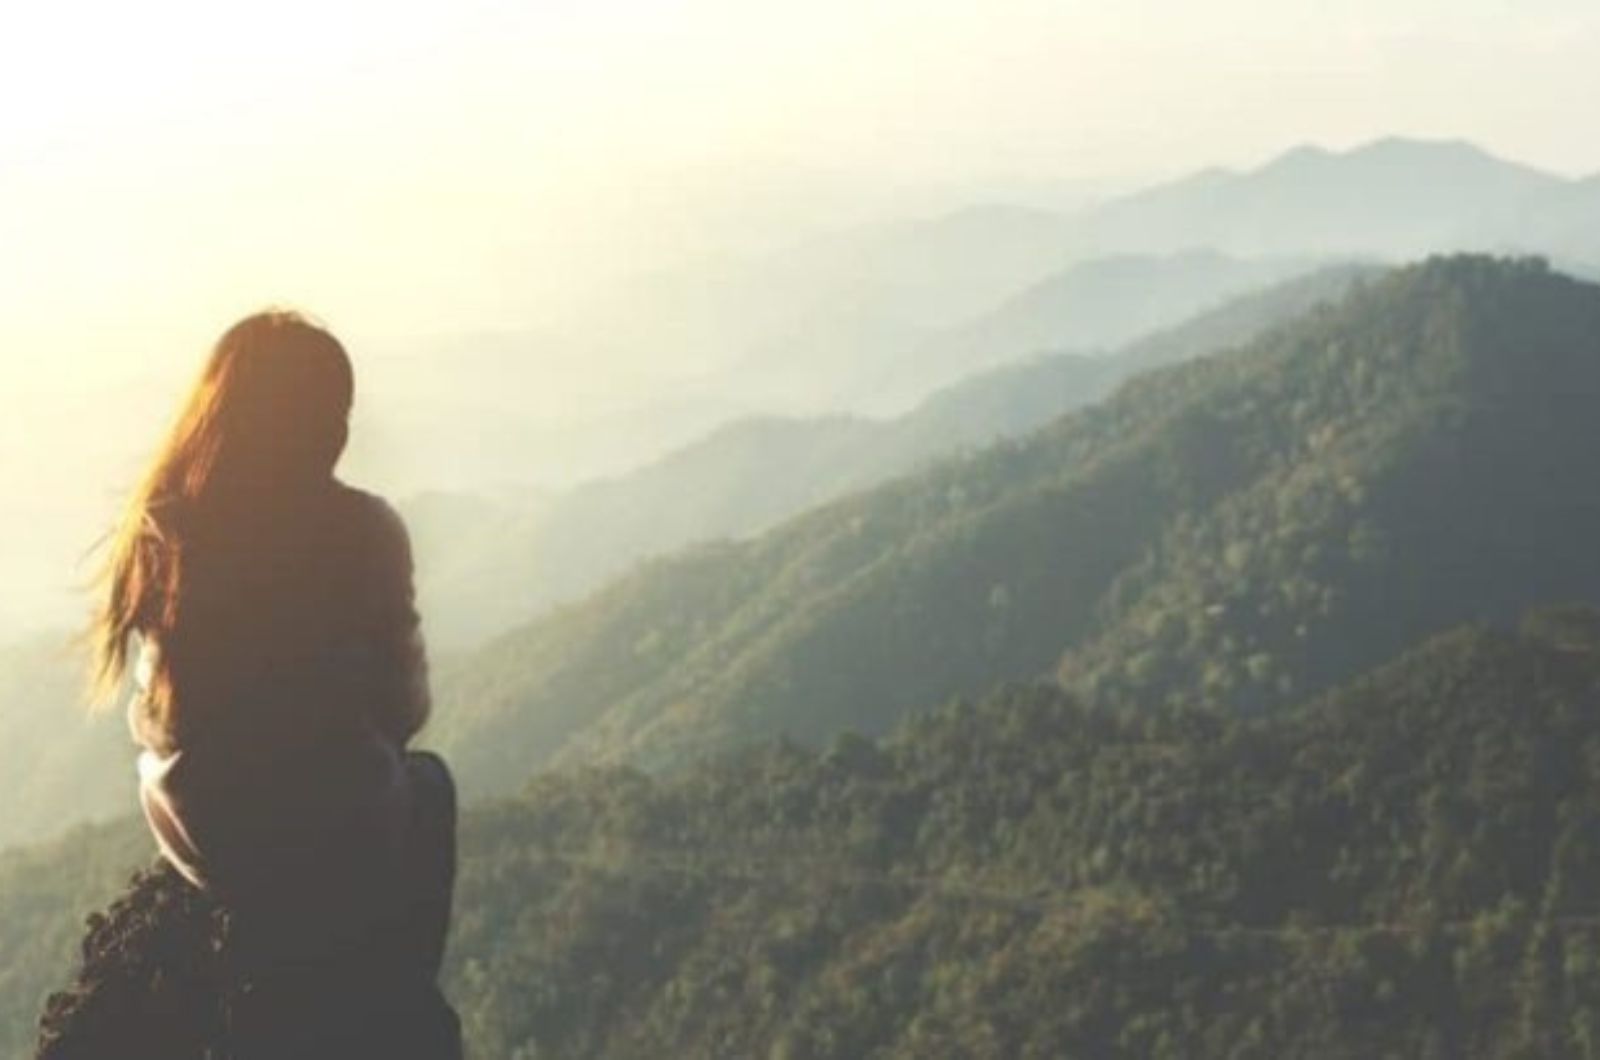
x=1430, y=468
x=1403, y=867
x=1250, y=527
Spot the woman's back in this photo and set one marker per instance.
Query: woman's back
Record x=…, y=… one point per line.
x=280, y=675
x=296, y=626
x=296, y=677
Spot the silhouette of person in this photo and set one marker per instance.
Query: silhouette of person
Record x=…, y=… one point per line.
x=266, y=614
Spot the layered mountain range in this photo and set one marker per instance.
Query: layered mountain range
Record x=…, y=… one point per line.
x=1213, y=674
x=1246, y=528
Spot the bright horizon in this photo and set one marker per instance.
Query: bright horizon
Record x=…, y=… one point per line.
x=435, y=169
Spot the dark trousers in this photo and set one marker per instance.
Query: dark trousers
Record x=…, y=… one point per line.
x=376, y=994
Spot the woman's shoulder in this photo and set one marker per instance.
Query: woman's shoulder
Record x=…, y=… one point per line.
x=368, y=512
x=374, y=532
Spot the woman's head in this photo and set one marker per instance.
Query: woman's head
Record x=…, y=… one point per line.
x=266, y=420
x=269, y=411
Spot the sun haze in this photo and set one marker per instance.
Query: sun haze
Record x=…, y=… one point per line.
x=430, y=166
x=436, y=179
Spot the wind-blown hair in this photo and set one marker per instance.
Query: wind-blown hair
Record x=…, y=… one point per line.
x=266, y=420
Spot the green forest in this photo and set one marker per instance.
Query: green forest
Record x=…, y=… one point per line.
x=1253, y=712
x=1403, y=867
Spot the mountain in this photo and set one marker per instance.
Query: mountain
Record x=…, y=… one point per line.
x=1563, y=222
x=516, y=564
x=837, y=323
x=799, y=328
x=1251, y=526
x=817, y=324
x=1401, y=867
x=955, y=323
x=1373, y=484
x=486, y=566
x=813, y=326
x=61, y=765
x=1394, y=197
x=1092, y=305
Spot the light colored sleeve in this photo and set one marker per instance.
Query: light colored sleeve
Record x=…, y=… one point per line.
x=141, y=725
x=162, y=812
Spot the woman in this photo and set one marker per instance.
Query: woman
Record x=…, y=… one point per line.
x=265, y=612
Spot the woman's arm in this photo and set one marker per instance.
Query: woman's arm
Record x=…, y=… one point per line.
x=401, y=677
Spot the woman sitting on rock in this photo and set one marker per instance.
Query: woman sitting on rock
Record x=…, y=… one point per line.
x=265, y=612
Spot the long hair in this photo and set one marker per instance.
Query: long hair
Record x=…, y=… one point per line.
x=266, y=419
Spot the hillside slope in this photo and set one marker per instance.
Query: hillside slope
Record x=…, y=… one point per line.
x=1412, y=459
x=486, y=567
x=1430, y=469
x=1403, y=867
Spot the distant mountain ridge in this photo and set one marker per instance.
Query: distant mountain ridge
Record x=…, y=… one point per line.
x=1094, y=305
x=1394, y=197
x=853, y=305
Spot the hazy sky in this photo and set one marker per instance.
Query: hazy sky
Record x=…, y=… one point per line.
x=411, y=167
x=417, y=172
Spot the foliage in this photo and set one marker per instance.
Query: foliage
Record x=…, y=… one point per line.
x=1405, y=867
x=152, y=981
x=163, y=974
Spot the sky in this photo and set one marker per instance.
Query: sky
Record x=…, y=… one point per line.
x=422, y=174
x=408, y=168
